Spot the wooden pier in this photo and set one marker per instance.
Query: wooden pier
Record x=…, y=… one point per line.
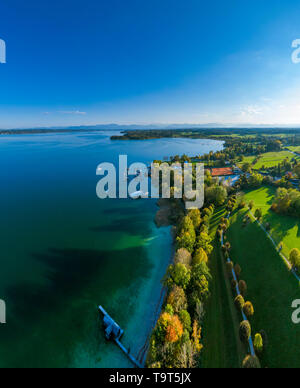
x=113, y=332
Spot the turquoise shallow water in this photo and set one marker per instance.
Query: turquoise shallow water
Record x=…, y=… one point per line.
x=64, y=251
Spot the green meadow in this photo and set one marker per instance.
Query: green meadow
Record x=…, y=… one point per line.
x=284, y=229
x=294, y=149
x=271, y=288
x=269, y=159
x=222, y=347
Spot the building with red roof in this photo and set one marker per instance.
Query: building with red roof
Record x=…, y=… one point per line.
x=221, y=171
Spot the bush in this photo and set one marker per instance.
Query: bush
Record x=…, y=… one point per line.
x=248, y=309
x=239, y=302
x=245, y=331
x=258, y=344
x=251, y=362
x=243, y=287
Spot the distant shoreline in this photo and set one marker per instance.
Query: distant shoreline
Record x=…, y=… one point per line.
x=4, y=132
x=143, y=133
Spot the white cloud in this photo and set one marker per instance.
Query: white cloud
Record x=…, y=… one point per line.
x=251, y=110
x=71, y=112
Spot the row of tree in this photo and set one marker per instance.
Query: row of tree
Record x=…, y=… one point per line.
x=239, y=287
x=176, y=339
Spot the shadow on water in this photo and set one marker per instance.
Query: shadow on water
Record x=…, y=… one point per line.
x=53, y=317
x=128, y=211
x=134, y=227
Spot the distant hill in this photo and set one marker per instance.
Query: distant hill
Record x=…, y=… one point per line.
x=136, y=127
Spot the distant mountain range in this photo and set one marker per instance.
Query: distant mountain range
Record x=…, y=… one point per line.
x=126, y=127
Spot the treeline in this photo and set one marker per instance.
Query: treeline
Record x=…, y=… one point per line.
x=176, y=339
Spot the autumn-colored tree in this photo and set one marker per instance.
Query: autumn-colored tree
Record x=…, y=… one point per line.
x=258, y=343
x=239, y=302
x=174, y=329
x=196, y=337
x=248, y=309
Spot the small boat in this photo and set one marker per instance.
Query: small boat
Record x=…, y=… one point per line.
x=139, y=194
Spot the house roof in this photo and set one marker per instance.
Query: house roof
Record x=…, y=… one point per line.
x=221, y=171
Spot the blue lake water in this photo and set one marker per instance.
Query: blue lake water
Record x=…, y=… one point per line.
x=64, y=251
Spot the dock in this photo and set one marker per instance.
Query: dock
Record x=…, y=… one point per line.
x=113, y=332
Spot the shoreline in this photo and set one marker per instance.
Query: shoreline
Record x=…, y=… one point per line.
x=150, y=297
x=142, y=356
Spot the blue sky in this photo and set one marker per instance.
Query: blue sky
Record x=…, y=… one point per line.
x=74, y=62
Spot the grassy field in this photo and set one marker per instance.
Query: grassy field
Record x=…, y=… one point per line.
x=269, y=159
x=284, y=229
x=294, y=149
x=222, y=348
x=271, y=289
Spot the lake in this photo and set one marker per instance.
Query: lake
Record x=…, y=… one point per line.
x=64, y=251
